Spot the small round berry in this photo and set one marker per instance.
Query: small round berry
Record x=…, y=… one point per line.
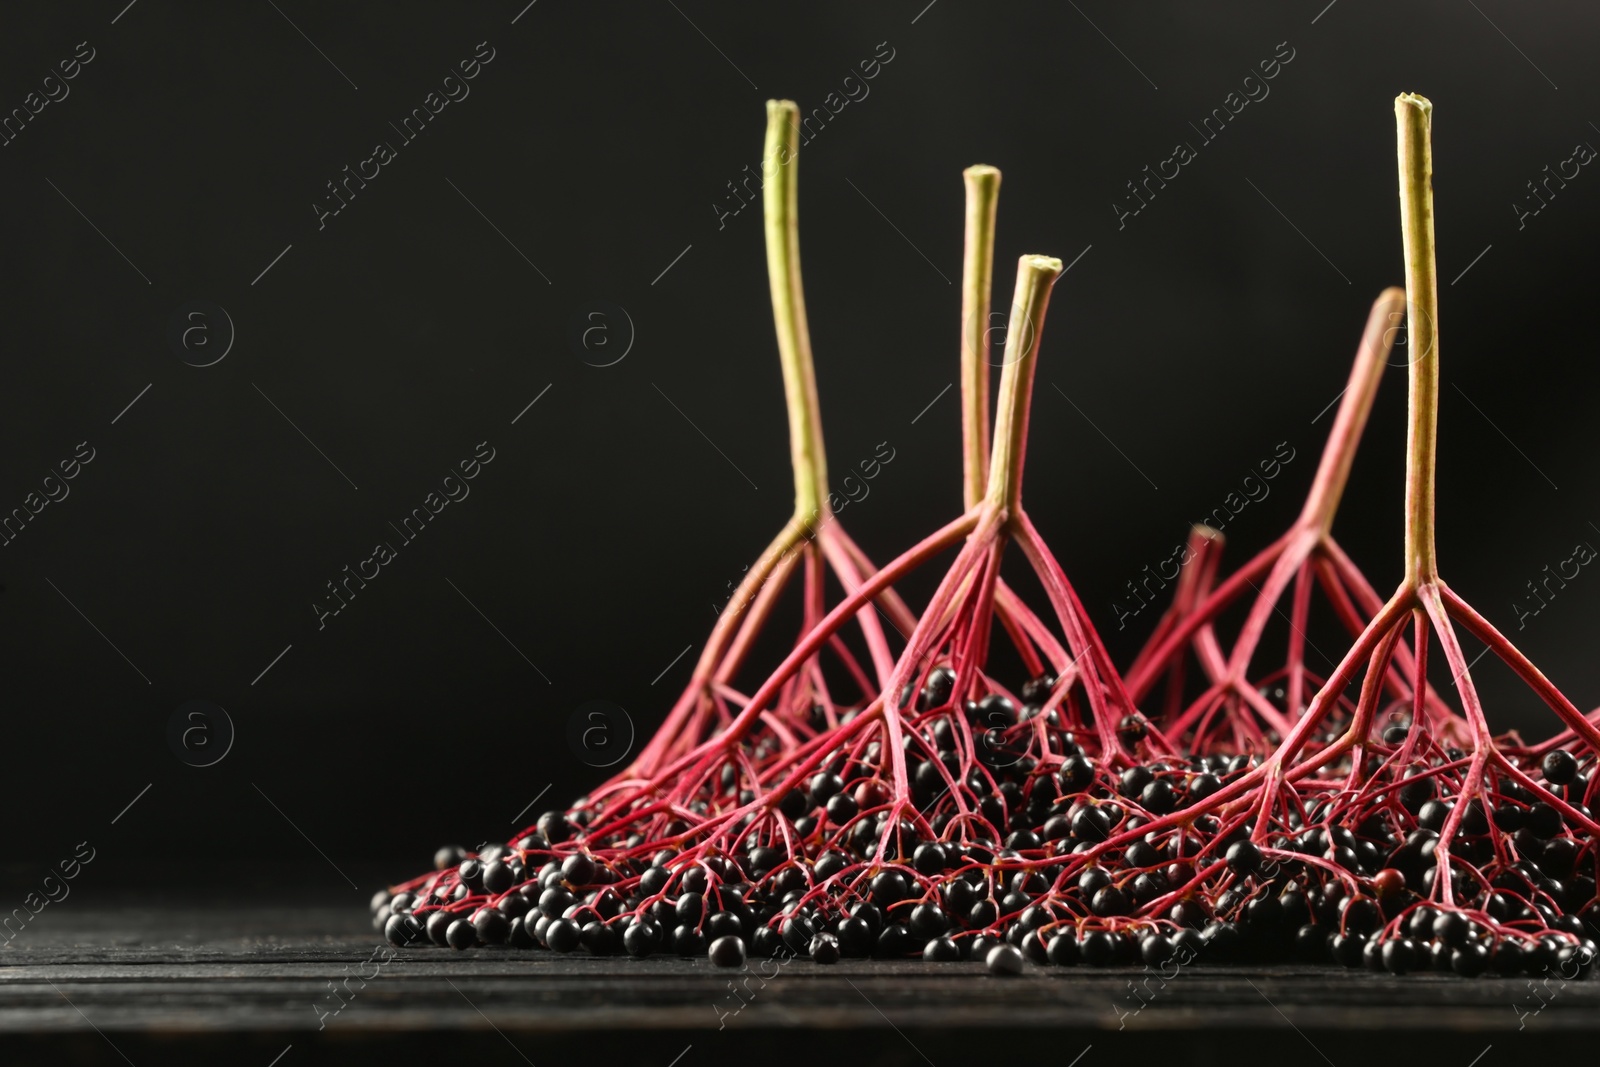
x=1004, y=960
x=727, y=952
x=461, y=935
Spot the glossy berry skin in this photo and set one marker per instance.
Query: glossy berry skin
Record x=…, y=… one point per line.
x=598, y=938
x=1559, y=767
x=492, y=926
x=824, y=949
x=941, y=950
x=561, y=935
x=577, y=869
x=1469, y=960
x=1062, y=950
x=438, y=922
x=403, y=930
x=1004, y=960
x=461, y=935
x=727, y=952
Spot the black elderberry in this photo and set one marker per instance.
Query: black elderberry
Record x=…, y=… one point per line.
x=1469, y=960
x=1142, y=854
x=1075, y=775
x=577, y=869
x=1417, y=793
x=1419, y=924
x=461, y=935
x=855, y=937
x=766, y=942
x=870, y=913
x=1004, y=960
x=1131, y=730
x=403, y=929
x=823, y=787
x=1037, y=690
x=492, y=926
x=1134, y=779
x=1155, y=949
x=941, y=950
x=824, y=948
x=959, y=896
x=1091, y=824
x=724, y=924
x=1310, y=943
x=1543, y=821
x=1096, y=948
x=889, y=887
x=1559, y=767
x=929, y=921
x=471, y=874
x=1451, y=927
x=1506, y=958
x=1187, y=913
x=1202, y=786
x=555, y=901
x=797, y=932
x=1244, y=857
x=554, y=827
x=937, y=689
x=829, y=864
x=641, y=938
x=438, y=922
x=686, y=941
x=1148, y=886
x=896, y=942
x=690, y=908
x=598, y=938
x=1361, y=915
x=727, y=952
x=1347, y=949
x=1062, y=950
x=1399, y=955
x=1432, y=814
x=1109, y=901
x=761, y=861
x=929, y=858
x=1014, y=901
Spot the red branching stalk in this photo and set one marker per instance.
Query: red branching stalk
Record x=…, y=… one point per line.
x=1234, y=712
x=813, y=541
x=1073, y=818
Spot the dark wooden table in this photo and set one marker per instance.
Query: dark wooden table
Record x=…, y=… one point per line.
x=151, y=984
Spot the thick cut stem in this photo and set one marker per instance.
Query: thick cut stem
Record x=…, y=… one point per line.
x=977, y=281
x=1354, y=407
x=1035, y=277
x=1413, y=131
x=780, y=165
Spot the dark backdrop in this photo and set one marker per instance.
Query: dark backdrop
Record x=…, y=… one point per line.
x=586, y=165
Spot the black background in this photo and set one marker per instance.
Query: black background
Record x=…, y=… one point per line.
x=597, y=141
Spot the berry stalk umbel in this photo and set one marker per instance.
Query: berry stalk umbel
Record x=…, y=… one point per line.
x=956, y=817
x=812, y=541
x=1245, y=707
